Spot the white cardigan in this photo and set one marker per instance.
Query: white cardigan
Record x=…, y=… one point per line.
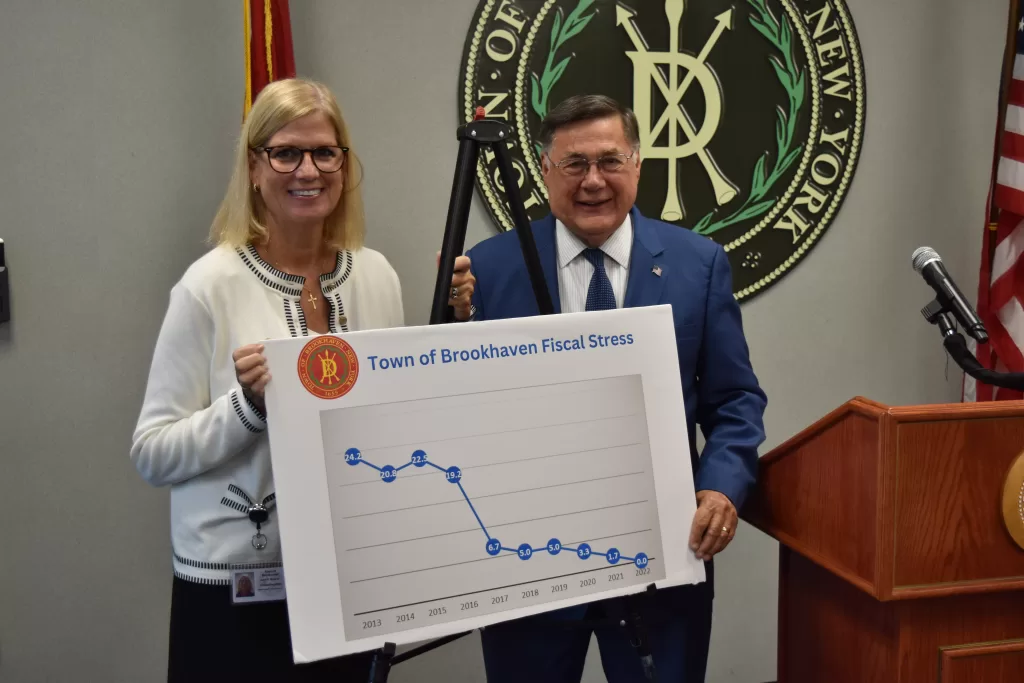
x=197, y=432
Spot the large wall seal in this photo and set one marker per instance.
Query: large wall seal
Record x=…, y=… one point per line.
x=751, y=113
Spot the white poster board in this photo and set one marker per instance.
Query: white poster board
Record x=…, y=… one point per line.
x=432, y=480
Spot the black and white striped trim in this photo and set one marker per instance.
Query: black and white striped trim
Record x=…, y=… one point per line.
x=256, y=565
x=267, y=502
x=290, y=285
x=337, y=312
x=255, y=429
x=289, y=317
x=240, y=493
x=255, y=409
x=217, y=567
x=196, y=564
x=302, y=321
x=342, y=269
x=235, y=505
x=205, y=582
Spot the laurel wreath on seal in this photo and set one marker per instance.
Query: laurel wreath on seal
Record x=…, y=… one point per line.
x=780, y=35
x=778, y=32
x=561, y=32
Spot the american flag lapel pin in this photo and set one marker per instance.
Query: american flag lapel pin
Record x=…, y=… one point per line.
x=656, y=270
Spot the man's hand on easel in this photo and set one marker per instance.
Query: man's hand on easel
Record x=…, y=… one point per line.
x=463, y=285
x=714, y=524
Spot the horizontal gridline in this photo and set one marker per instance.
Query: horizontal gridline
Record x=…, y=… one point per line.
x=497, y=433
x=498, y=588
x=497, y=557
x=477, y=402
x=497, y=526
x=504, y=462
x=496, y=495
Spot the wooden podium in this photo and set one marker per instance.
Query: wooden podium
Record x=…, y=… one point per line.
x=896, y=564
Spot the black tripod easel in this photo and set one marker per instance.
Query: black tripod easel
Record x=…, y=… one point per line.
x=481, y=132
x=496, y=135
x=472, y=136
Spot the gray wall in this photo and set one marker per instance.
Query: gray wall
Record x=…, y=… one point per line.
x=117, y=120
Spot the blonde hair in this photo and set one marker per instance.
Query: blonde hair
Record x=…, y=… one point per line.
x=240, y=218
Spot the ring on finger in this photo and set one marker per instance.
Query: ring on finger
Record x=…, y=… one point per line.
x=455, y=292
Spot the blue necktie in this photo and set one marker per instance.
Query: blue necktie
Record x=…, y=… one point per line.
x=600, y=295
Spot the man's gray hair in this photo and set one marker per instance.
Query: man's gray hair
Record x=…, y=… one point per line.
x=588, y=108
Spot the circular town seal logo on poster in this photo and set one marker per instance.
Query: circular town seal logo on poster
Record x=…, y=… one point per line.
x=751, y=112
x=328, y=367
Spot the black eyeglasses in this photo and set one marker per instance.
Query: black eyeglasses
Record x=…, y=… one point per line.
x=327, y=159
x=576, y=165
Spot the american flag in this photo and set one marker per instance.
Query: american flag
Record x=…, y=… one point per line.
x=268, y=46
x=1001, y=282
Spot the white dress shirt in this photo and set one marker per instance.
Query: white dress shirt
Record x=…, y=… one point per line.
x=575, y=271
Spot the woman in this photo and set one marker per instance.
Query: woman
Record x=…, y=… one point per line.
x=289, y=260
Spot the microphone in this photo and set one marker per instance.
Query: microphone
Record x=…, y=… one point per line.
x=948, y=297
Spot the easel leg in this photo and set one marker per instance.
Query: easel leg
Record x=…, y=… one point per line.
x=637, y=631
x=385, y=658
x=494, y=135
x=381, y=668
x=455, y=228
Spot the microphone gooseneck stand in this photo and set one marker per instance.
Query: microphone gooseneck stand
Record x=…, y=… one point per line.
x=956, y=347
x=496, y=135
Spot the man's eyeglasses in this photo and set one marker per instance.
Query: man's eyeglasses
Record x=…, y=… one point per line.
x=609, y=164
x=327, y=159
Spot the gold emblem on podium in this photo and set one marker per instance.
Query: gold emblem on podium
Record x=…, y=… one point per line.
x=1013, y=500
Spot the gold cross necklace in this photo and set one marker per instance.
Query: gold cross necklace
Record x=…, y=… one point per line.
x=312, y=299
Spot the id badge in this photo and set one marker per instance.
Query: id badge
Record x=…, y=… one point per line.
x=257, y=583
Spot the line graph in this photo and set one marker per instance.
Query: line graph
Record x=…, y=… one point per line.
x=419, y=458
x=450, y=508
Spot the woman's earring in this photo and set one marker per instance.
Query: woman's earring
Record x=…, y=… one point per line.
x=255, y=188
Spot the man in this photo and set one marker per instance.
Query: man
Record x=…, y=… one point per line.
x=598, y=252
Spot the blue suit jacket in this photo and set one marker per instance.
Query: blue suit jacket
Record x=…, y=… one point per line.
x=720, y=390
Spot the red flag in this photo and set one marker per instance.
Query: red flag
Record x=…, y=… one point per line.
x=268, y=46
x=1001, y=281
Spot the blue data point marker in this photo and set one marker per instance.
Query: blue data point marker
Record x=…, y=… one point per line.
x=388, y=473
x=525, y=551
x=554, y=546
x=493, y=546
x=583, y=551
x=641, y=560
x=613, y=555
x=353, y=456
x=453, y=475
x=419, y=458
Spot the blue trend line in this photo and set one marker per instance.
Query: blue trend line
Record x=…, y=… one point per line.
x=478, y=520
x=453, y=475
